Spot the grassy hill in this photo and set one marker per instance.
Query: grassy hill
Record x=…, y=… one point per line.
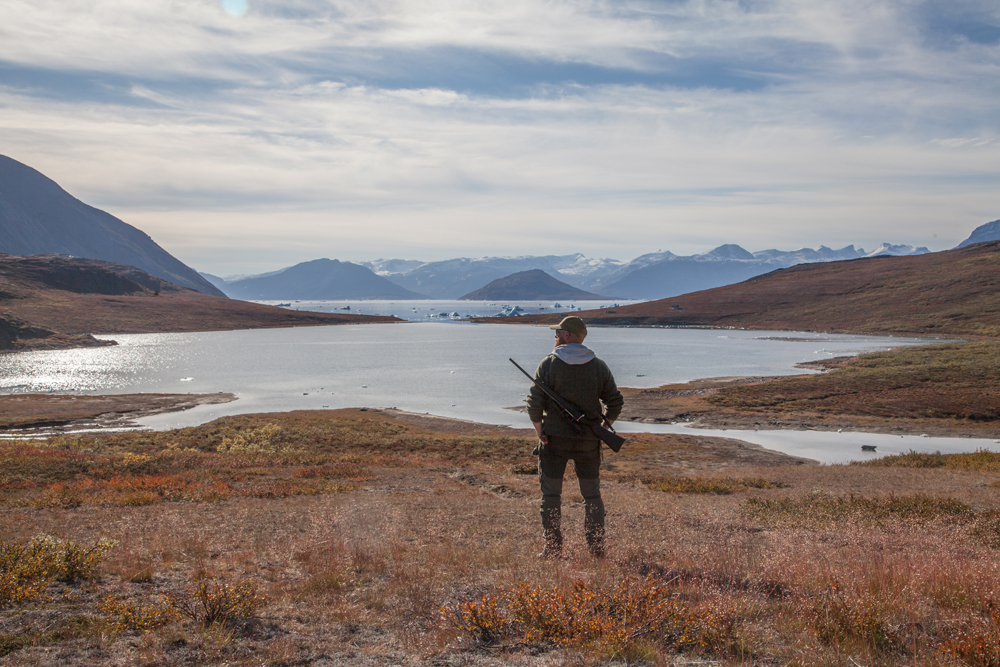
x=54, y=301
x=955, y=292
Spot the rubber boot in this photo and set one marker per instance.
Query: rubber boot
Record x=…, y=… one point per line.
x=551, y=516
x=552, y=531
x=593, y=521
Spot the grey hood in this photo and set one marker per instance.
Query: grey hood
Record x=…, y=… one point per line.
x=574, y=354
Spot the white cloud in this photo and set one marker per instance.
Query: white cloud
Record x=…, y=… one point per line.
x=339, y=123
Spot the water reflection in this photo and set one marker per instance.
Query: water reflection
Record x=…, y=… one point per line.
x=834, y=447
x=450, y=369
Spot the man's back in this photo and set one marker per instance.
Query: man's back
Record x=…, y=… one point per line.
x=586, y=385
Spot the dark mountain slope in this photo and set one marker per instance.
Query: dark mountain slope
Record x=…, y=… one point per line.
x=38, y=217
x=983, y=233
x=47, y=301
x=533, y=284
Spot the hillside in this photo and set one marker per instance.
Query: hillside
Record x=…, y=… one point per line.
x=317, y=280
x=38, y=217
x=954, y=292
x=533, y=284
x=45, y=298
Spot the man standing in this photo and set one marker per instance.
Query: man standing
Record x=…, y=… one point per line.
x=574, y=373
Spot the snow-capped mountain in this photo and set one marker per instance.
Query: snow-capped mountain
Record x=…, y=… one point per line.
x=805, y=255
x=655, y=275
x=453, y=278
x=896, y=250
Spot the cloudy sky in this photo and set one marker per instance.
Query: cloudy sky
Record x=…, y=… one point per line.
x=247, y=135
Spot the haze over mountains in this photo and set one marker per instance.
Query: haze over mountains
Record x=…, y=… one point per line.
x=651, y=276
x=320, y=279
x=38, y=217
x=953, y=292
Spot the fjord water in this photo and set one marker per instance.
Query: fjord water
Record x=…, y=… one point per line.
x=436, y=309
x=451, y=369
x=442, y=368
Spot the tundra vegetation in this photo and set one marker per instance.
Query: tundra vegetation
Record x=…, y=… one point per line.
x=947, y=389
x=358, y=537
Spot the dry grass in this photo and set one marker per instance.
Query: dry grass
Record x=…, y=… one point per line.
x=980, y=461
x=818, y=509
x=830, y=565
x=716, y=485
x=953, y=382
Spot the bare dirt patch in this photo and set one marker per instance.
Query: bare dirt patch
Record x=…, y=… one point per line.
x=72, y=411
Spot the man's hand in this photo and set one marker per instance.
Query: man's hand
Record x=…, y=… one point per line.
x=542, y=439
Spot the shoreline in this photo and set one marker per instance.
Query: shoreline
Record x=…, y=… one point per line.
x=48, y=415
x=685, y=403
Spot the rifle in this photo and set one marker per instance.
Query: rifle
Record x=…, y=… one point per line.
x=577, y=418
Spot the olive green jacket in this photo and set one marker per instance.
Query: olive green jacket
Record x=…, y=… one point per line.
x=589, y=386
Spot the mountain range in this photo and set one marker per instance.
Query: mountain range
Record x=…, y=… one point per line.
x=651, y=276
x=952, y=293
x=37, y=217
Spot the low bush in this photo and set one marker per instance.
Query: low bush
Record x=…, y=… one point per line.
x=27, y=569
x=129, y=615
x=843, y=618
x=714, y=485
x=213, y=601
x=976, y=640
x=620, y=620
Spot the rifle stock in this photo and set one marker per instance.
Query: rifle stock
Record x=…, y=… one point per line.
x=576, y=417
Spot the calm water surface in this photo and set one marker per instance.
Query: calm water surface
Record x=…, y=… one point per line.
x=449, y=369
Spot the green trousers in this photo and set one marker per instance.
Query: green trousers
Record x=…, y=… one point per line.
x=552, y=460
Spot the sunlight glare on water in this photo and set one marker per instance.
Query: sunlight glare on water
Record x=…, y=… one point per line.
x=455, y=370
x=449, y=369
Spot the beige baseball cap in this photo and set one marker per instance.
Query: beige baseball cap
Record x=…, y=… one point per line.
x=572, y=324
